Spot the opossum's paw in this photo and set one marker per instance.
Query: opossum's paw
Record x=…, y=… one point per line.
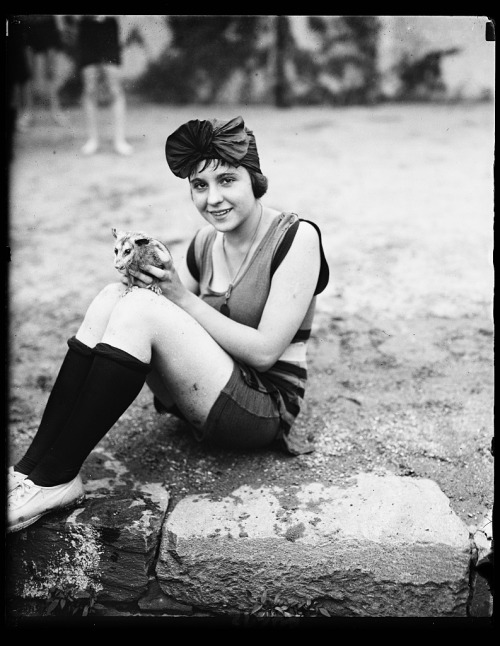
x=129, y=289
x=156, y=289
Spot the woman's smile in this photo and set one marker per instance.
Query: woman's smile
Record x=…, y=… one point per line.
x=220, y=213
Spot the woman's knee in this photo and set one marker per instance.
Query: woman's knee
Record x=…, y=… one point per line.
x=113, y=290
x=140, y=306
x=137, y=321
x=99, y=312
x=109, y=295
x=106, y=300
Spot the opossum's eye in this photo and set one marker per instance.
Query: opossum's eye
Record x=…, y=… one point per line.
x=127, y=252
x=116, y=251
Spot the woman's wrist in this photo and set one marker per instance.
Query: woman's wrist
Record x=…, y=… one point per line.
x=186, y=300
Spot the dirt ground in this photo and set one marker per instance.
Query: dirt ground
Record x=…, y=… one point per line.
x=401, y=359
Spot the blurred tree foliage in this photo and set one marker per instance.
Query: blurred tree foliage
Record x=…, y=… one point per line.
x=421, y=76
x=204, y=53
x=343, y=70
x=207, y=52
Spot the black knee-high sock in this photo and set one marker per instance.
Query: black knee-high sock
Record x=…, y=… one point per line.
x=72, y=375
x=114, y=381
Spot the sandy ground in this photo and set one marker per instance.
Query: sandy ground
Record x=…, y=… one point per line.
x=401, y=360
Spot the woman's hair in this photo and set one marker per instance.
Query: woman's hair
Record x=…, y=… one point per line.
x=259, y=183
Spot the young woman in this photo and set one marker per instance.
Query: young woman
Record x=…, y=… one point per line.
x=224, y=347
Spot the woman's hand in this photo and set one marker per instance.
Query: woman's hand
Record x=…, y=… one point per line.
x=169, y=280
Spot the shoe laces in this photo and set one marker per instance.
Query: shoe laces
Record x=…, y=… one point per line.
x=15, y=476
x=23, y=488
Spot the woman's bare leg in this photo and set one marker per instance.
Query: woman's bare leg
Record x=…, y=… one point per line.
x=95, y=323
x=89, y=101
x=191, y=365
x=113, y=78
x=157, y=386
x=53, y=77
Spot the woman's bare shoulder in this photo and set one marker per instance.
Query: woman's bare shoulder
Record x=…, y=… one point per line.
x=307, y=233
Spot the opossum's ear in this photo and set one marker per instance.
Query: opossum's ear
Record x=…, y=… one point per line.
x=141, y=241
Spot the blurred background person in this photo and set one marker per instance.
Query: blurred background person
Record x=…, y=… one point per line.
x=99, y=49
x=18, y=74
x=44, y=42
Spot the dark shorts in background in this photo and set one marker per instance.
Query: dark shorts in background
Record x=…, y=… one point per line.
x=98, y=42
x=42, y=33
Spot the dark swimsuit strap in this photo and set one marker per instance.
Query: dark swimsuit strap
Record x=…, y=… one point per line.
x=286, y=243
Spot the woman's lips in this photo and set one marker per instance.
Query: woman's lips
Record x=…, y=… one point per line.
x=220, y=214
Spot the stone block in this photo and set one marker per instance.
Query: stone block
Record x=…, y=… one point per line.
x=379, y=546
x=106, y=547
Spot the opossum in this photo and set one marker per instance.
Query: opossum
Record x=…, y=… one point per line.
x=135, y=250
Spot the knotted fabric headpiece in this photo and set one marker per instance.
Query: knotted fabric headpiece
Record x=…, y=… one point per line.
x=196, y=141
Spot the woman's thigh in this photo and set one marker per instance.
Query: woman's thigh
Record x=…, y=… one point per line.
x=186, y=360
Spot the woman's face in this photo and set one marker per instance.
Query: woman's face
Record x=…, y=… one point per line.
x=223, y=195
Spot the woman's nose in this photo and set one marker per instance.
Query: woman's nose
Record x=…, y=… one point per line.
x=214, y=195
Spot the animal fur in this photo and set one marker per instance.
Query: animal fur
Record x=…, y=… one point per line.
x=135, y=250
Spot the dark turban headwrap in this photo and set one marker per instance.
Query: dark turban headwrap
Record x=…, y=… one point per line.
x=196, y=141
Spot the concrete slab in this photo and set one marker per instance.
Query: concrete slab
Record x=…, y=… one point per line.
x=380, y=546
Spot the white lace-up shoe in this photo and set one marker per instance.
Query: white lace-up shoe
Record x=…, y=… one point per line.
x=28, y=502
x=14, y=478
